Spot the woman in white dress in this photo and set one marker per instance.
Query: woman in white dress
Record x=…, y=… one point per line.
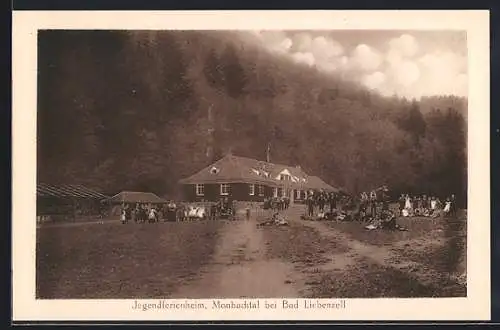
x=123, y=213
x=408, y=207
x=152, y=215
x=447, y=207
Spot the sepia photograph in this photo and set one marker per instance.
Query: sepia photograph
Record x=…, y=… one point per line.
x=204, y=164
x=309, y=165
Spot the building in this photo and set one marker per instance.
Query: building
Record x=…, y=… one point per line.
x=68, y=201
x=247, y=179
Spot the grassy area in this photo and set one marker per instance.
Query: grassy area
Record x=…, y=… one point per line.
x=434, y=249
x=439, y=243
x=444, y=250
x=121, y=261
x=365, y=279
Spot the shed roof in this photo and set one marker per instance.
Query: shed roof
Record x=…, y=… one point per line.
x=67, y=191
x=136, y=197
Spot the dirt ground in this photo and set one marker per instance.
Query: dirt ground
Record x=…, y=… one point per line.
x=111, y=260
x=236, y=259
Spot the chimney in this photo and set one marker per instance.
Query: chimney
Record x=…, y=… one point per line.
x=268, y=153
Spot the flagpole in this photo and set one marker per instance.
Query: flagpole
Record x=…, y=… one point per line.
x=268, y=157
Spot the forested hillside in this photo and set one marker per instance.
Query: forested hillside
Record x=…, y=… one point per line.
x=129, y=110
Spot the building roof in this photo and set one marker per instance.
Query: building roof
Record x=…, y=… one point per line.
x=67, y=191
x=316, y=183
x=136, y=197
x=235, y=169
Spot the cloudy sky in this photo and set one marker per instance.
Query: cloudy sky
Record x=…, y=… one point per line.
x=404, y=63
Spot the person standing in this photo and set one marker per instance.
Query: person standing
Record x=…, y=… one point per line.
x=373, y=204
x=123, y=214
x=453, y=206
x=310, y=207
x=408, y=202
x=439, y=204
x=171, y=211
x=433, y=205
x=402, y=201
x=416, y=205
x=425, y=208
x=447, y=207
x=321, y=201
x=333, y=202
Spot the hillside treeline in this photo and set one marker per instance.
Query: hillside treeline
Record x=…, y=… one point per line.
x=130, y=110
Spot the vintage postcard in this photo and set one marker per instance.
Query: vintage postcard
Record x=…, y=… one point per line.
x=251, y=165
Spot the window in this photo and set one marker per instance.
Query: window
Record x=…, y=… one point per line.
x=252, y=189
x=285, y=177
x=261, y=190
x=224, y=189
x=275, y=192
x=200, y=190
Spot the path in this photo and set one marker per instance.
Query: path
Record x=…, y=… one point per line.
x=240, y=269
x=382, y=256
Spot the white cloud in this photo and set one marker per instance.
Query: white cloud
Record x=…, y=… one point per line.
x=325, y=48
x=406, y=45
x=402, y=69
x=404, y=73
x=443, y=73
x=304, y=58
x=301, y=42
x=282, y=46
x=393, y=57
x=365, y=58
x=275, y=41
x=286, y=44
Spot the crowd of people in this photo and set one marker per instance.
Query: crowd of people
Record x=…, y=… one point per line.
x=142, y=212
x=279, y=203
x=426, y=206
x=321, y=199
x=320, y=204
x=376, y=204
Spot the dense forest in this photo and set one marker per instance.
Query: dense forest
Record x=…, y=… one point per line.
x=130, y=110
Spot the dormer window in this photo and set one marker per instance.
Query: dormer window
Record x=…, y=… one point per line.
x=260, y=172
x=285, y=177
x=214, y=170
